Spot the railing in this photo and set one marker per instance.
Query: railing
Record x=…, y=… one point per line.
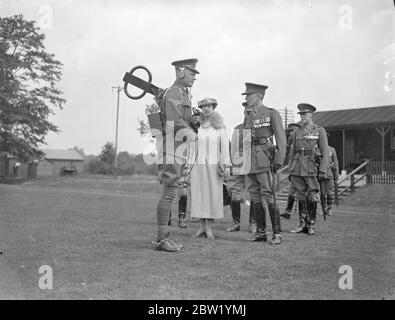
x=353, y=182
x=381, y=172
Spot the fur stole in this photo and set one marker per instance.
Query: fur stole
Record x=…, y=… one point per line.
x=216, y=121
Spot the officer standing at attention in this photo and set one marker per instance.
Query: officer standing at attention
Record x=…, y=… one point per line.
x=310, y=146
x=266, y=159
x=292, y=191
x=241, y=165
x=177, y=114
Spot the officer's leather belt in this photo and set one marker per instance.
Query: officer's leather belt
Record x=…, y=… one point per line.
x=259, y=141
x=306, y=152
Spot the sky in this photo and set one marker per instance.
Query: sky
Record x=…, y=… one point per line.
x=332, y=54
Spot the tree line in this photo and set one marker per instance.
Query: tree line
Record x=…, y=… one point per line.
x=104, y=163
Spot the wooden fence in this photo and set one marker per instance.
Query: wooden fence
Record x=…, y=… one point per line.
x=380, y=172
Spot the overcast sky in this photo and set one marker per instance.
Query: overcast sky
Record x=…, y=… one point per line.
x=332, y=54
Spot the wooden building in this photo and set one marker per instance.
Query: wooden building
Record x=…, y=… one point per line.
x=54, y=163
x=58, y=162
x=359, y=134
x=12, y=167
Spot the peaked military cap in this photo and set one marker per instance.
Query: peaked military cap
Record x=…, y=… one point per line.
x=254, y=88
x=207, y=101
x=186, y=63
x=305, y=107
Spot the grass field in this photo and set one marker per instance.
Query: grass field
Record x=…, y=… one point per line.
x=96, y=233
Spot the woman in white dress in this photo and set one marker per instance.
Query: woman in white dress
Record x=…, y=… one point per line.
x=211, y=166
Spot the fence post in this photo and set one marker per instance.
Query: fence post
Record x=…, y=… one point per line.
x=369, y=173
x=352, y=183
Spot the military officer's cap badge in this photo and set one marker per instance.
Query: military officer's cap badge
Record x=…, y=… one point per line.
x=305, y=107
x=254, y=88
x=186, y=63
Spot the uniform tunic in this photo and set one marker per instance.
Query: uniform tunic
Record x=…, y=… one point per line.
x=291, y=189
x=310, y=142
x=177, y=115
x=241, y=160
x=332, y=173
x=266, y=123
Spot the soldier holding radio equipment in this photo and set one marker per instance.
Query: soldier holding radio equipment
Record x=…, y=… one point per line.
x=177, y=115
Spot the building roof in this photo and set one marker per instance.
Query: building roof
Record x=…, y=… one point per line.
x=356, y=118
x=60, y=154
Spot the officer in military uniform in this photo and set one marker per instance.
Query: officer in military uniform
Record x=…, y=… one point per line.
x=177, y=115
x=328, y=184
x=240, y=168
x=292, y=191
x=266, y=159
x=310, y=146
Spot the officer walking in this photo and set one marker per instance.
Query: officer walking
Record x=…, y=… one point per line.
x=310, y=146
x=241, y=165
x=266, y=159
x=292, y=191
x=177, y=114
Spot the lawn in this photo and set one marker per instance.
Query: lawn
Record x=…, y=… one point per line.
x=96, y=233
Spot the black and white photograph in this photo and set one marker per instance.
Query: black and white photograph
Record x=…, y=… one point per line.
x=197, y=155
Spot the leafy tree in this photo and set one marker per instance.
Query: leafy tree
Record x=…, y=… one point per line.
x=107, y=154
x=143, y=126
x=125, y=163
x=28, y=92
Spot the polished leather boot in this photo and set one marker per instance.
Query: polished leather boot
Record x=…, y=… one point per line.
x=252, y=220
x=288, y=210
x=274, y=218
x=302, y=217
x=182, y=208
x=312, y=218
x=323, y=204
x=276, y=223
x=181, y=221
x=277, y=239
x=260, y=216
x=329, y=203
x=235, y=207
